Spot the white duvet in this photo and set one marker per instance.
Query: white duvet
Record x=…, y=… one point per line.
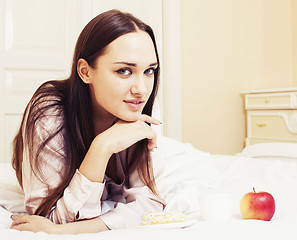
x=190, y=172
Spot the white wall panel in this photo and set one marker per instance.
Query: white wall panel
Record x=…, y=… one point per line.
x=35, y=33
x=20, y=84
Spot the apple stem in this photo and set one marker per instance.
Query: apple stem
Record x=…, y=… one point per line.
x=254, y=190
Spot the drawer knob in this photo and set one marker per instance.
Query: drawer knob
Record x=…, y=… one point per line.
x=266, y=100
x=261, y=125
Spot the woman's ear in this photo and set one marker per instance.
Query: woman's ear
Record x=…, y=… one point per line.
x=83, y=70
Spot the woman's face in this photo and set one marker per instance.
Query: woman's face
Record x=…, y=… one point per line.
x=123, y=78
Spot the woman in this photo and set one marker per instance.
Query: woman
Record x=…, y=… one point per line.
x=84, y=151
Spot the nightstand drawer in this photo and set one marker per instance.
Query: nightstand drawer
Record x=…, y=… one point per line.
x=271, y=101
x=274, y=125
x=250, y=141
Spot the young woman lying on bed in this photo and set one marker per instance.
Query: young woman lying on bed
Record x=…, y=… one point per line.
x=84, y=153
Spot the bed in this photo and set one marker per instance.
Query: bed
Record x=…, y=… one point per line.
x=269, y=167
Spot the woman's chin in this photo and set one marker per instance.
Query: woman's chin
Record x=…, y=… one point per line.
x=131, y=117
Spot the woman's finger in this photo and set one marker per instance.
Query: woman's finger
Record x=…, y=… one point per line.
x=20, y=227
x=152, y=144
x=19, y=219
x=149, y=119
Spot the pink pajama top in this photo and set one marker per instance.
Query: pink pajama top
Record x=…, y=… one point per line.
x=117, y=205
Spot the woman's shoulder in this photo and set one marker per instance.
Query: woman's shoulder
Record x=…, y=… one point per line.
x=47, y=104
x=50, y=92
x=49, y=96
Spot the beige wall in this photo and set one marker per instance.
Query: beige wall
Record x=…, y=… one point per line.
x=229, y=46
x=294, y=40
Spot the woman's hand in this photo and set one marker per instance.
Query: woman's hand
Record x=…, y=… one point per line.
x=124, y=134
x=115, y=139
x=33, y=223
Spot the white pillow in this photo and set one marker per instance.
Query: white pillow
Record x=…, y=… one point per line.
x=270, y=150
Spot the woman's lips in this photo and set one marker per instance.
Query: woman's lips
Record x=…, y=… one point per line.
x=135, y=105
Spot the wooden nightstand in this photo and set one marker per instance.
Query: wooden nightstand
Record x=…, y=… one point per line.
x=271, y=115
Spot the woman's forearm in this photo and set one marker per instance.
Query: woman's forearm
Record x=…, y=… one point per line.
x=36, y=223
x=85, y=226
x=95, y=162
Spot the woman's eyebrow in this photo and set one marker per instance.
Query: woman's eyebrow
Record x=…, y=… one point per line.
x=134, y=64
x=126, y=63
x=153, y=64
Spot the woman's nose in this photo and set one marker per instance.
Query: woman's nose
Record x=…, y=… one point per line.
x=139, y=87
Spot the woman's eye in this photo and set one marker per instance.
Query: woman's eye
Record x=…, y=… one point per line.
x=124, y=71
x=150, y=71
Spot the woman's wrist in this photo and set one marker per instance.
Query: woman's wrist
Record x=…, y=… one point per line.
x=102, y=145
x=58, y=229
x=95, y=162
x=85, y=226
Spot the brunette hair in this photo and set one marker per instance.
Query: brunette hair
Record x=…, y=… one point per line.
x=70, y=100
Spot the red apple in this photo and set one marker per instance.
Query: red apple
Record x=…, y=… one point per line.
x=257, y=205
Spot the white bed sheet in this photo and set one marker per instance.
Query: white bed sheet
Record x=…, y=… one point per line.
x=190, y=172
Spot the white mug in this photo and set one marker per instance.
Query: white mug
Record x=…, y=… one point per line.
x=215, y=206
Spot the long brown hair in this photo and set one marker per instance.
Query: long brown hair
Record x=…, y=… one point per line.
x=70, y=99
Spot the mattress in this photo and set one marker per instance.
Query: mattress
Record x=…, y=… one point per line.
x=190, y=173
